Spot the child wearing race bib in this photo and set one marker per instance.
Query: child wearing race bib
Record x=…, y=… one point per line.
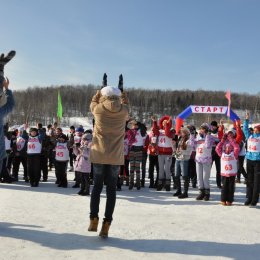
x=182, y=154
x=34, y=148
x=228, y=149
x=61, y=160
x=253, y=163
x=20, y=153
x=136, y=139
x=165, y=149
x=82, y=163
x=203, y=158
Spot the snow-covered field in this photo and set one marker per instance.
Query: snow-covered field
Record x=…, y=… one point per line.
x=51, y=223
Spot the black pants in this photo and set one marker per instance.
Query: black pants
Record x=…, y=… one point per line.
x=216, y=159
x=4, y=171
x=51, y=158
x=34, y=168
x=241, y=168
x=253, y=180
x=44, y=167
x=110, y=174
x=144, y=159
x=72, y=157
x=153, y=163
x=192, y=172
x=16, y=164
x=61, y=173
x=228, y=188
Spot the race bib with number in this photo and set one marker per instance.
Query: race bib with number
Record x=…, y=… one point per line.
x=20, y=142
x=201, y=150
x=34, y=146
x=164, y=141
x=228, y=164
x=253, y=145
x=62, y=152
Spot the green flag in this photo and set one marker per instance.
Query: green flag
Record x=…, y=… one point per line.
x=59, y=111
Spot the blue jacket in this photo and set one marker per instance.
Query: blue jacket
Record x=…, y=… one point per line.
x=249, y=155
x=4, y=110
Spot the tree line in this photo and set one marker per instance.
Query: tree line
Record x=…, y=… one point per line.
x=39, y=104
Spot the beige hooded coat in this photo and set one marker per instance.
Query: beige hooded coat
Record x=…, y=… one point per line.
x=111, y=114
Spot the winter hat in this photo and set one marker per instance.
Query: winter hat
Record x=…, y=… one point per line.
x=80, y=129
x=233, y=131
x=87, y=137
x=205, y=126
x=165, y=118
x=214, y=123
x=257, y=127
x=110, y=91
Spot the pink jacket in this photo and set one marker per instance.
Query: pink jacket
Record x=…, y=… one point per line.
x=82, y=163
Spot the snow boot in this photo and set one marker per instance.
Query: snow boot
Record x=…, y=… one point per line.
x=126, y=181
x=93, y=225
x=177, y=182
x=207, y=194
x=186, y=188
x=168, y=185
x=131, y=186
x=105, y=228
x=159, y=185
x=201, y=195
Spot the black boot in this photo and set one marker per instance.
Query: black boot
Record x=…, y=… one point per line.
x=178, y=186
x=186, y=188
x=201, y=195
x=159, y=185
x=142, y=183
x=131, y=186
x=168, y=185
x=207, y=194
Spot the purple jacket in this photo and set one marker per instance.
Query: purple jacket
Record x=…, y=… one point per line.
x=82, y=163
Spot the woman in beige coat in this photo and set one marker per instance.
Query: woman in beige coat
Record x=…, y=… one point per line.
x=110, y=110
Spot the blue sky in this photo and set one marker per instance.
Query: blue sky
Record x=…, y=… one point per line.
x=166, y=44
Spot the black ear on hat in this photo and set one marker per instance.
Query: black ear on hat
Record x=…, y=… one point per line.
x=121, y=83
x=104, y=82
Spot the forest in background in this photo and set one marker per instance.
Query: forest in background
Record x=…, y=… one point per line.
x=39, y=104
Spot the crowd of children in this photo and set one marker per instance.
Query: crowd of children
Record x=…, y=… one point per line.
x=188, y=154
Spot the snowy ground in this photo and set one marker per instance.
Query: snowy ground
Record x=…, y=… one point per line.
x=51, y=223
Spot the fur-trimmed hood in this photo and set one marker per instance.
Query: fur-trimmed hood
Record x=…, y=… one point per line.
x=165, y=118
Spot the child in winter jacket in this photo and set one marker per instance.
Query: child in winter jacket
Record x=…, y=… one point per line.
x=203, y=143
x=34, y=148
x=182, y=154
x=61, y=160
x=253, y=163
x=153, y=159
x=228, y=151
x=82, y=163
x=165, y=135
x=20, y=153
x=136, y=137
